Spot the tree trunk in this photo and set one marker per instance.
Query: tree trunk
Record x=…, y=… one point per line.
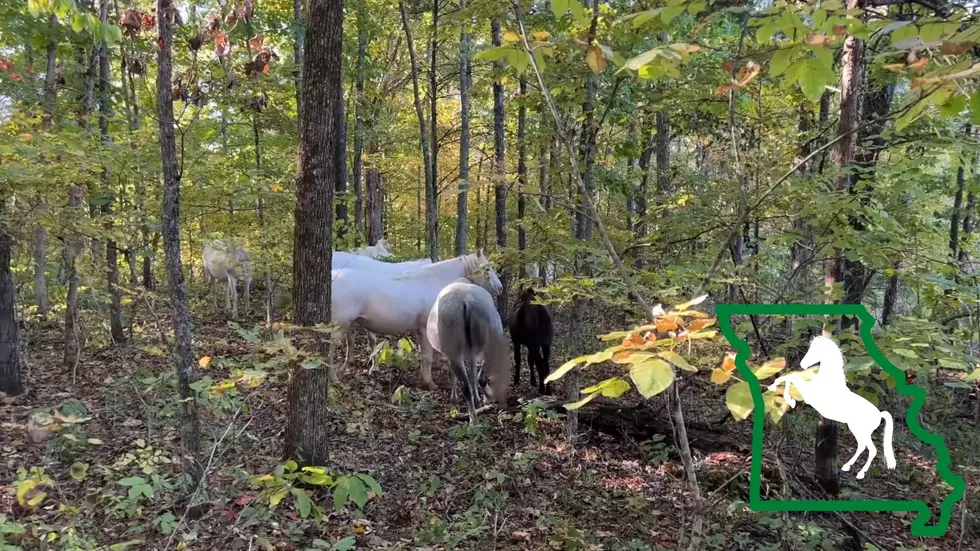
x=360, y=229
x=372, y=193
x=260, y=212
x=954, y=217
x=544, y=189
x=111, y=251
x=340, y=193
x=10, y=374
x=298, y=55
x=521, y=177
x=430, y=207
x=40, y=233
x=306, y=432
x=462, y=220
x=663, y=154
x=826, y=467
x=651, y=143
x=432, y=195
x=499, y=171
x=74, y=248
x=190, y=436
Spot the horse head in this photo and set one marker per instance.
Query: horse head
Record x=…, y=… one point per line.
x=480, y=272
x=526, y=296
x=383, y=248
x=822, y=351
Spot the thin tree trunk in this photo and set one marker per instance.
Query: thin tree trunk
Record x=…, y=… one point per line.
x=372, y=193
x=260, y=212
x=40, y=233
x=462, y=221
x=954, y=218
x=826, y=467
x=298, y=74
x=430, y=212
x=360, y=230
x=340, y=192
x=11, y=381
x=544, y=189
x=521, y=176
x=111, y=251
x=499, y=171
x=432, y=195
x=72, y=341
x=306, y=432
x=183, y=349
x=651, y=143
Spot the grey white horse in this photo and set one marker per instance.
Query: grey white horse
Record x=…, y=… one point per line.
x=226, y=262
x=465, y=327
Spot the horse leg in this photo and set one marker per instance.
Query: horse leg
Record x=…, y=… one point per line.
x=459, y=373
x=860, y=449
x=425, y=368
x=248, y=295
x=214, y=294
x=334, y=379
x=348, y=359
x=533, y=361
x=517, y=363
x=872, y=452
x=543, y=369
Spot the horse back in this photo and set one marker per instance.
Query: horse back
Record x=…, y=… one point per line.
x=532, y=324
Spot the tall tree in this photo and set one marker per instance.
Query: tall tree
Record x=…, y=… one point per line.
x=306, y=434
x=74, y=249
x=298, y=38
x=424, y=141
x=111, y=250
x=183, y=353
x=40, y=233
x=522, y=174
x=340, y=184
x=10, y=362
x=462, y=220
x=838, y=269
x=499, y=170
x=432, y=197
x=358, y=170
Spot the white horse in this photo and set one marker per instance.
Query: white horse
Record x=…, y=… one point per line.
x=827, y=393
x=465, y=327
x=382, y=249
x=226, y=262
x=391, y=304
x=343, y=259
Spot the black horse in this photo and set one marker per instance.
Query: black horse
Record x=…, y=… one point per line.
x=531, y=326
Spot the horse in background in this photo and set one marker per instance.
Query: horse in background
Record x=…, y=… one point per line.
x=226, y=262
x=392, y=304
x=381, y=249
x=827, y=393
x=465, y=327
x=531, y=326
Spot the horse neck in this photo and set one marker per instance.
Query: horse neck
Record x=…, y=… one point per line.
x=445, y=270
x=831, y=367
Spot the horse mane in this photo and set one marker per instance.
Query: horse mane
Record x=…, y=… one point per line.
x=471, y=264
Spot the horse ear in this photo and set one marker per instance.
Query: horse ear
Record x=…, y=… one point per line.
x=479, y=253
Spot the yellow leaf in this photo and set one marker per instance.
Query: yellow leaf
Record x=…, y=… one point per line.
x=770, y=368
x=630, y=357
x=739, y=400
x=582, y=402
x=511, y=36
x=26, y=137
x=678, y=360
x=665, y=324
x=565, y=368
x=701, y=298
x=542, y=35
x=700, y=324
x=614, y=335
x=596, y=60
x=652, y=377
x=277, y=497
x=720, y=376
x=610, y=388
x=204, y=362
x=23, y=488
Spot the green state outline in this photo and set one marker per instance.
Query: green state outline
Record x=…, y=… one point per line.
x=756, y=503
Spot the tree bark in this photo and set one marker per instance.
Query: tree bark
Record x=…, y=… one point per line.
x=360, y=229
x=521, y=177
x=260, y=212
x=340, y=193
x=75, y=245
x=499, y=171
x=298, y=55
x=40, y=233
x=306, y=433
x=190, y=435
x=111, y=250
x=430, y=207
x=372, y=192
x=954, y=217
x=826, y=467
x=432, y=195
x=462, y=220
x=11, y=381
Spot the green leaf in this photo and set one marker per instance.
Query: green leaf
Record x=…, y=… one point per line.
x=738, y=398
x=610, y=388
x=770, y=368
x=780, y=61
x=340, y=493
x=671, y=12
x=77, y=22
x=904, y=33
x=972, y=376
x=290, y=465
x=518, y=59
x=812, y=81
x=765, y=33
x=371, y=483
x=975, y=108
x=652, y=377
x=345, y=544
x=494, y=54
x=905, y=352
x=678, y=360
x=303, y=503
x=954, y=106
x=132, y=481
x=276, y=498
x=79, y=470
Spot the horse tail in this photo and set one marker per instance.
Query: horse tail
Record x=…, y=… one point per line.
x=887, y=444
x=467, y=327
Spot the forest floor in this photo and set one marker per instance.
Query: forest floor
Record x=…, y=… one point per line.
x=108, y=447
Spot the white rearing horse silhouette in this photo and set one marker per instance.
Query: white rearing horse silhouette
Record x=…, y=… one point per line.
x=827, y=393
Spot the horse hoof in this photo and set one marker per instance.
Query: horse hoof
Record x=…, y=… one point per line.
x=860, y=475
x=845, y=468
x=791, y=402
